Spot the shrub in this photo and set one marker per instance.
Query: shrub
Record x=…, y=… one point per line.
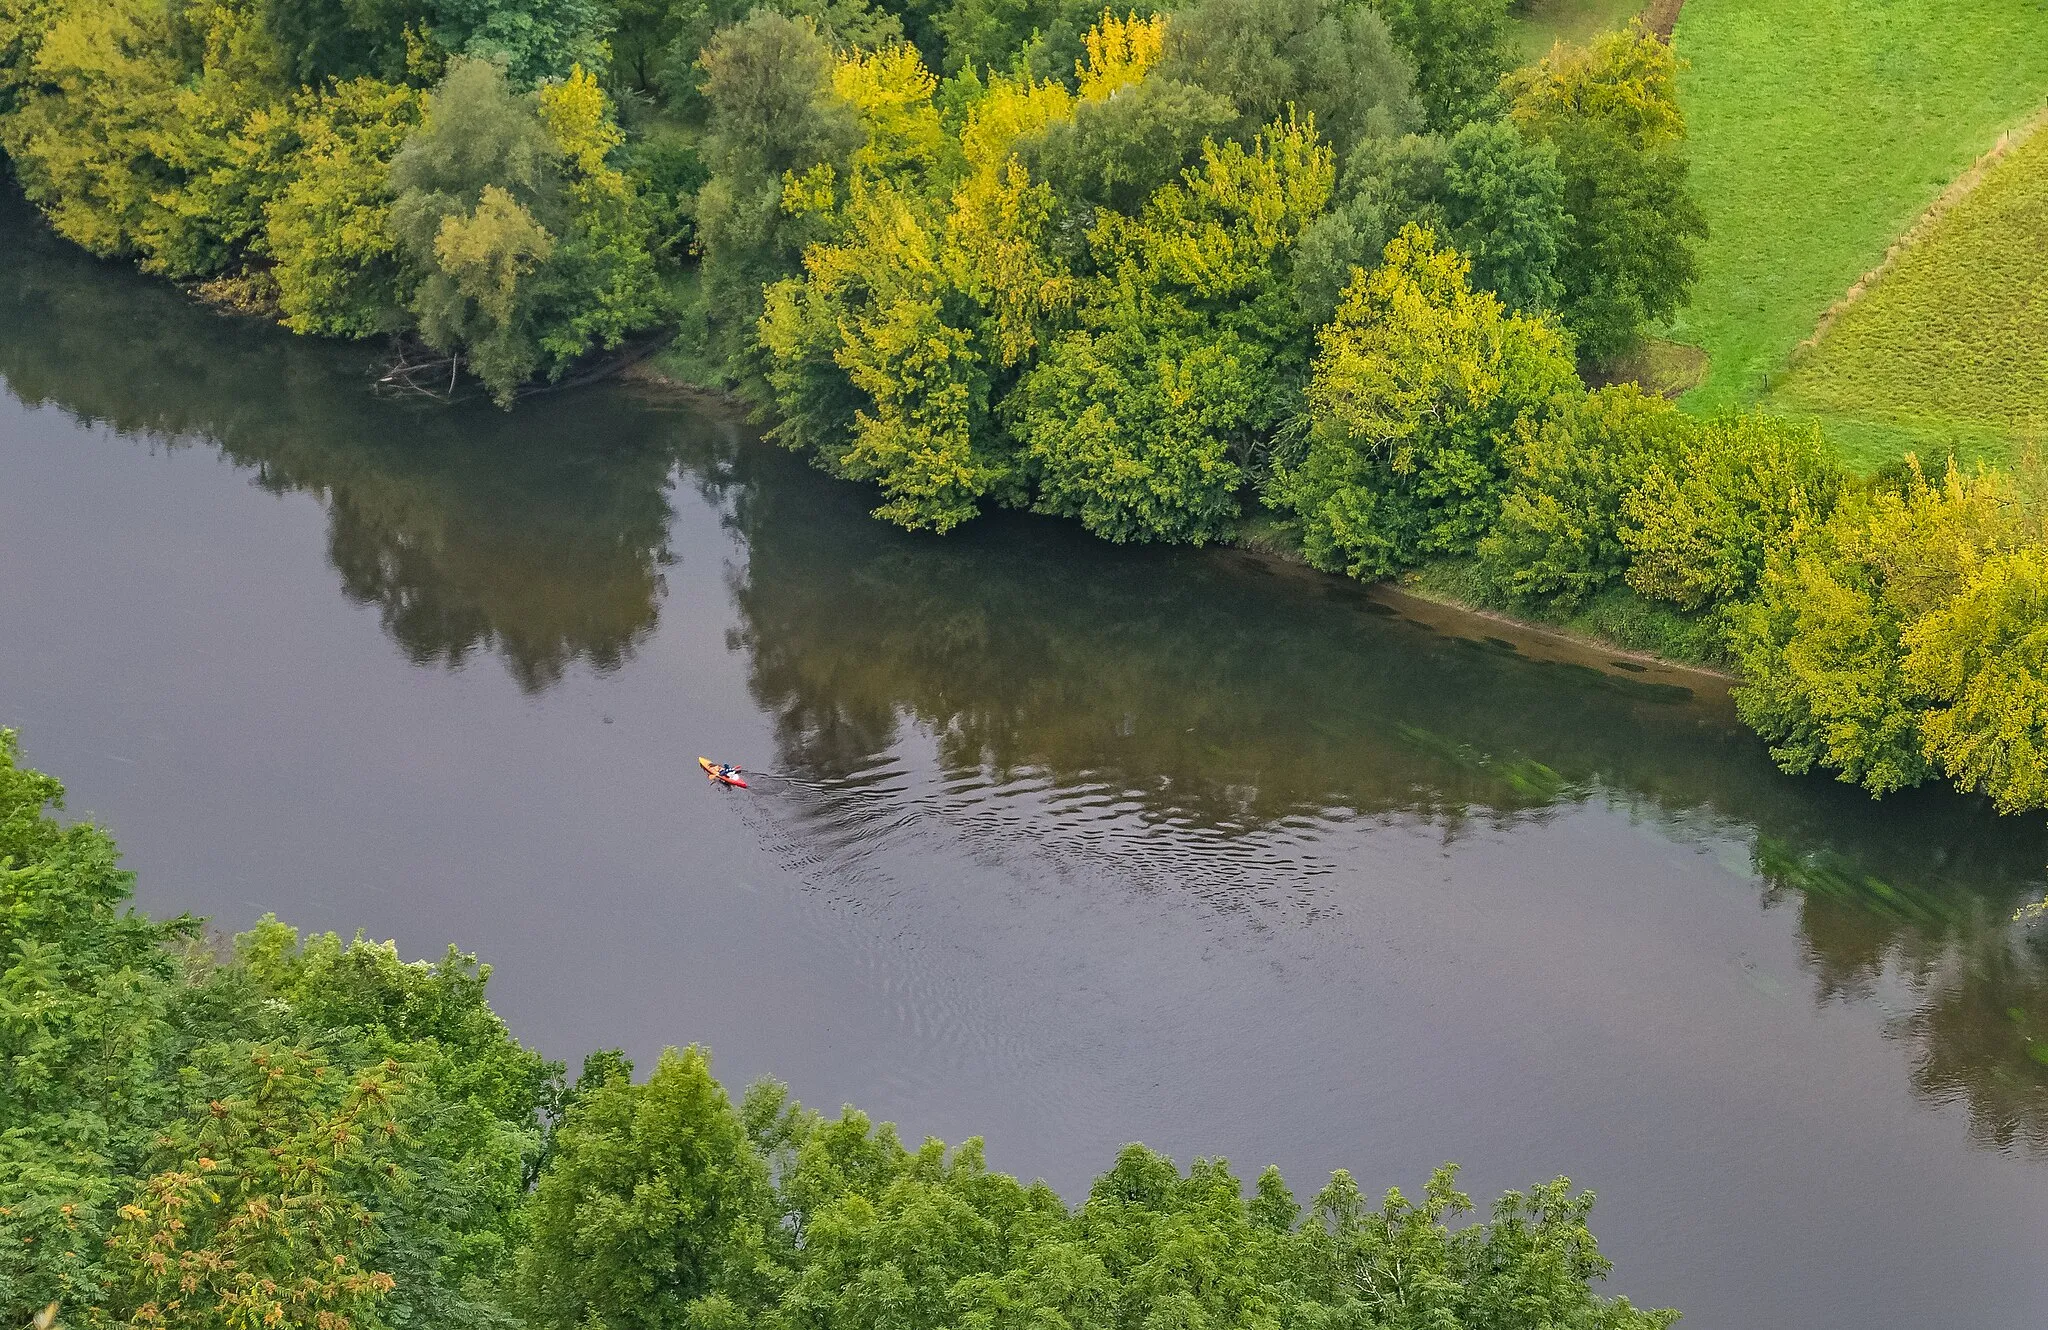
x=1559, y=533
x=1421, y=387
x=1902, y=598
x=1699, y=530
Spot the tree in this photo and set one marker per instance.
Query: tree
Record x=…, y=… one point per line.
x=1611, y=111
x=1981, y=663
x=531, y=40
x=1387, y=184
x=1820, y=645
x=338, y=267
x=1504, y=202
x=319, y=41
x=478, y=202
x=85, y=992
x=1420, y=387
x=1337, y=64
x=1142, y=421
x=1559, y=533
x=1460, y=48
x=257, y=1218
x=1112, y=152
x=103, y=78
x=768, y=83
x=600, y=284
x=653, y=1200
x=1700, y=528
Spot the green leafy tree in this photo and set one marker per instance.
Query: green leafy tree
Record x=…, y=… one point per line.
x=256, y=1217
x=1558, y=537
x=1980, y=661
x=1460, y=48
x=319, y=40
x=469, y=1118
x=1420, y=389
x=532, y=40
x=1820, y=646
x=600, y=285
x=768, y=84
x=1504, y=201
x=1113, y=152
x=1700, y=528
x=1387, y=184
x=337, y=265
x=263, y=1178
x=653, y=1201
x=477, y=197
x=1611, y=111
x=1142, y=421
x=85, y=990
x=1336, y=63
x=102, y=80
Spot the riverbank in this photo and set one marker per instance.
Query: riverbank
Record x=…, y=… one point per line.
x=1627, y=631
x=1616, y=630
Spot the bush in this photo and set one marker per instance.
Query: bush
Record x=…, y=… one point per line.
x=1699, y=529
x=1905, y=635
x=1421, y=388
x=1559, y=533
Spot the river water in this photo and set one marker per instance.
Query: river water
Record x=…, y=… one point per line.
x=1063, y=845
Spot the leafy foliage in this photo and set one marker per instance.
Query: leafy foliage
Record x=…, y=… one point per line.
x=1339, y=65
x=533, y=247
x=301, y=1135
x=337, y=265
x=1461, y=48
x=1559, y=535
x=1421, y=387
x=1901, y=639
x=1700, y=527
x=1141, y=421
x=1611, y=111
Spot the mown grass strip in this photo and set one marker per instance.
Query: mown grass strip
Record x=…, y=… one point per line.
x=1819, y=131
x=1949, y=348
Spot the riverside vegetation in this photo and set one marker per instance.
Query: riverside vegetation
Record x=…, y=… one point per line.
x=303, y=1132
x=1341, y=263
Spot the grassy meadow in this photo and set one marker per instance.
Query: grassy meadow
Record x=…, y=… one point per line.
x=1819, y=131
x=1950, y=347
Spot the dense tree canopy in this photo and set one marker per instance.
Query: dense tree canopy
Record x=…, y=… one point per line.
x=1421, y=388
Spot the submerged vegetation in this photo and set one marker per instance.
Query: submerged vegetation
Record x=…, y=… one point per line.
x=294, y=1131
x=1339, y=268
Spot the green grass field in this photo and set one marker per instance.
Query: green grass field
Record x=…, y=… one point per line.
x=1820, y=129
x=1949, y=350
x=1574, y=22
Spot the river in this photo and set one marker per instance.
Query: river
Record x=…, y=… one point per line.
x=1060, y=844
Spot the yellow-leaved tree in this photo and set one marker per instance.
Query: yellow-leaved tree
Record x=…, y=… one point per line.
x=937, y=279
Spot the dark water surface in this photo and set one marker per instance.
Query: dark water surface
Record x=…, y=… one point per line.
x=1069, y=846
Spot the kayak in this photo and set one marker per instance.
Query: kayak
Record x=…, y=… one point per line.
x=713, y=770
